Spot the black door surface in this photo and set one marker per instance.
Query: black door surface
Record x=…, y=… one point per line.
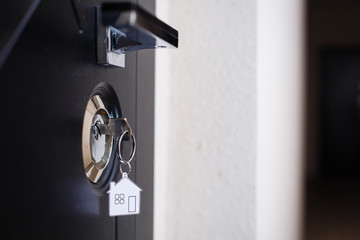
x=46, y=81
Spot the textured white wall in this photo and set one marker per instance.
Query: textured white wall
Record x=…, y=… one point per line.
x=205, y=122
x=229, y=121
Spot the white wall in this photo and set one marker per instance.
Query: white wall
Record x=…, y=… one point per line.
x=206, y=124
x=280, y=119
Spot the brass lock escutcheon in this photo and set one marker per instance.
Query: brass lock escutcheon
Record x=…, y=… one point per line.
x=102, y=127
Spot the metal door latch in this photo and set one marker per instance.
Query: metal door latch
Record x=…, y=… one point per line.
x=124, y=27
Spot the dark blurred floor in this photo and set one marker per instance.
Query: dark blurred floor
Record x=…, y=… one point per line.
x=333, y=210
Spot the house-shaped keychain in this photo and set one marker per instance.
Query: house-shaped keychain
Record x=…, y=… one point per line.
x=124, y=197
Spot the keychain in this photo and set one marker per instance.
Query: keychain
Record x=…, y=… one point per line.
x=124, y=195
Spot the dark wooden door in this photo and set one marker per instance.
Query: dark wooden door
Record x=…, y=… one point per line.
x=46, y=81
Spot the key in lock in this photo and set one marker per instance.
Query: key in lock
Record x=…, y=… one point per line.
x=103, y=126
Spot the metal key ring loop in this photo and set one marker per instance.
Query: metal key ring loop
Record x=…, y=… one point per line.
x=133, y=150
x=123, y=163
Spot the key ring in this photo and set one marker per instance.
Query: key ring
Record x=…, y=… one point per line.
x=132, y=153
x=127, y=163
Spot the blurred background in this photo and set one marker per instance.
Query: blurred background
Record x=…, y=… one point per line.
x=257, y=121
x=333, y=129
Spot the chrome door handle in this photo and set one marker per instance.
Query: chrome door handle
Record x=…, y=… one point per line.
x=124, y=27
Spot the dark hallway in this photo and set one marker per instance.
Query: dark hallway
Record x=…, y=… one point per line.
x=333, y=121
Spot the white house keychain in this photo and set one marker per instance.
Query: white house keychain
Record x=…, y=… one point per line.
x=124, y=196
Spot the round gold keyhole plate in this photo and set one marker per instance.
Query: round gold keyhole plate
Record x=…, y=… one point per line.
x=96, y=150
